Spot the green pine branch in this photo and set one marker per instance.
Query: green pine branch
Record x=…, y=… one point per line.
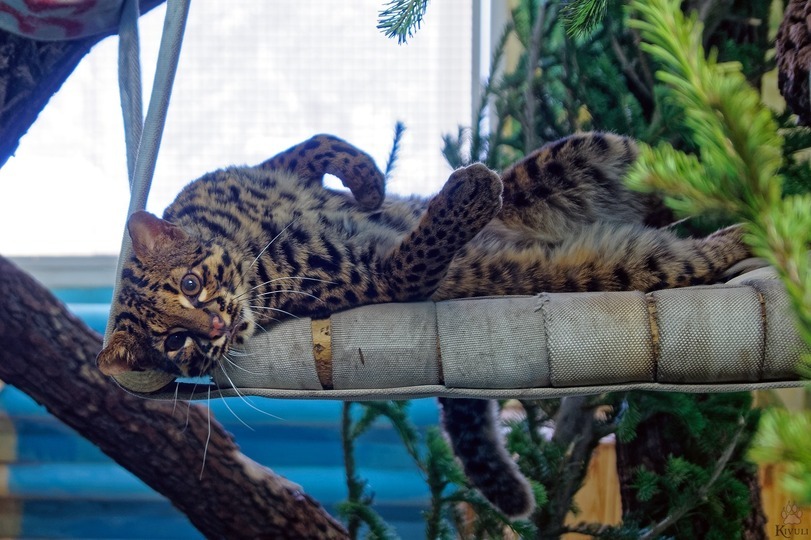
x=737, y=170
x=783, y=437
x=680, y=469
x=401, y=18
x=357, y=509
x=582, y=16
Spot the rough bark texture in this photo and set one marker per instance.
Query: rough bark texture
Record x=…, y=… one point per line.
x=30, y=73
x=793, y=47
x=50, y=355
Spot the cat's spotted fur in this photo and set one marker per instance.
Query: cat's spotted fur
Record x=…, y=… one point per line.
x=242, y=247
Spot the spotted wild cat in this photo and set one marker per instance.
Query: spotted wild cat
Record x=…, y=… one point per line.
x=244, y=246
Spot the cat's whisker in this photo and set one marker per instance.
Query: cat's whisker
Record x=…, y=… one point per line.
x=247, y=401
x=259, y=325
x=208, y=438
x=281, y=291
x=263, y=315
x=273, y=309
x=271, y=242
x=227, y=406
x=300, y=278
x=188, y=409
x=241, y=354
x=237, y=366
x=174, y=401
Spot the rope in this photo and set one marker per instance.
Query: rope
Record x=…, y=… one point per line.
x=143, y=138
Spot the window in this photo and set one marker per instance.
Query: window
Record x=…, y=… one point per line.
x=255, y=77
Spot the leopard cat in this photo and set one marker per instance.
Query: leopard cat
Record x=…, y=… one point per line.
x=243, y=246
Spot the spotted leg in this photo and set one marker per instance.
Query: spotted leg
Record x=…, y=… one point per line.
x=469, y=200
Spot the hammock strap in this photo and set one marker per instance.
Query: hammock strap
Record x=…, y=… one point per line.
x=129, y=82
x=143, y=138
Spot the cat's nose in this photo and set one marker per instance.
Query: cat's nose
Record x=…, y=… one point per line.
x=217, y=327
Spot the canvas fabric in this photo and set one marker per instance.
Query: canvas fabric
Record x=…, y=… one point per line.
x=721, y=338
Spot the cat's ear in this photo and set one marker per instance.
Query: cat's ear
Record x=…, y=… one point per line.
x=150, y=233
x=121, y=353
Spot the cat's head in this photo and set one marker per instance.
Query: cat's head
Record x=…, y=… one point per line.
x=179, y=307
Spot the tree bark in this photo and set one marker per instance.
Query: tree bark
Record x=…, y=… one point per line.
x=49, y=354
x=30, y=73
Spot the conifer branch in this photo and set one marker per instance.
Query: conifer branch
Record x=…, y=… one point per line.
x=783, y=437
x=741, y=151
x=581, y=16
x=401, y=18
x=357, y=509
x=702, y=493
x=399, y=129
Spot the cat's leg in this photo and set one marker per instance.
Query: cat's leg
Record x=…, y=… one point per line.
x=611, y=257
x=600, y=257
x=472, y=426
x=631, y=257
x=571, y=182
x=467, y=202
x=327, y=154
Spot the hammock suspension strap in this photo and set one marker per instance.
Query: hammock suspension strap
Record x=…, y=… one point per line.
x=143, y=137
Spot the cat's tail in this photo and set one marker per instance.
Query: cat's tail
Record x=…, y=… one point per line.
x=327, y=154
x=472, y=427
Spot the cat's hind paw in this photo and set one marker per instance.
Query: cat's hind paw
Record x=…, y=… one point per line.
x=472, y=195
x=468, y=201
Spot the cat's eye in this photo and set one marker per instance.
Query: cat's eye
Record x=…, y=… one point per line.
x=191, y=284
x=175, y=341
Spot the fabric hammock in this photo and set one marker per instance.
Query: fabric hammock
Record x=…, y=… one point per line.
x=722, y=338
x=733, y=337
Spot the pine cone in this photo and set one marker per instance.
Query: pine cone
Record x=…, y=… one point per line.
x=794, y=58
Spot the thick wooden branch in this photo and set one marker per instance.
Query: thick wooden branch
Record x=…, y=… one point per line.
x=50, y=355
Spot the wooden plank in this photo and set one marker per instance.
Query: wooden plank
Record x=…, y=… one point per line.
x=599, y=498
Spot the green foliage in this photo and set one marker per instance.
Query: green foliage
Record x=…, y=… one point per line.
x=738, y=167
x=399, y=129
x=571, y=83
x=689, y=480
x=702, y=476
x=740, y=38
x=581, y=68
x=362, y=511
x=796, y=170
x=646, y=485
x=401, y=18
x=581, y=16
x=357, y=509
x=446, y=481
x=783, y=437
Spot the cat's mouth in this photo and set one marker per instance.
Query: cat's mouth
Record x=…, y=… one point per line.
x=219, y=328
x=223, y=334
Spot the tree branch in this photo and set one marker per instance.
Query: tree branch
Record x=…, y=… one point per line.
x=50, y=355
x=574, y=431
x=533, y=56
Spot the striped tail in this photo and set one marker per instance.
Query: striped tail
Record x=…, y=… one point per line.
x=472, y=426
